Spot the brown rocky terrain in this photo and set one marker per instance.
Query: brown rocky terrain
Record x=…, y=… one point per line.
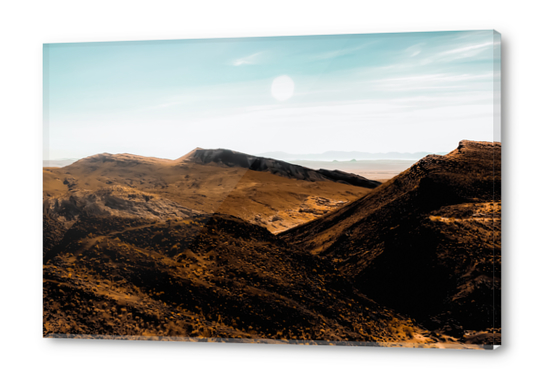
x=206, y=277
x=426, y=243
x=139, y=247
x=267, y=192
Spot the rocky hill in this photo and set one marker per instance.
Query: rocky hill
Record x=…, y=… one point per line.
x=232, y=158
x=426, y=243
x=214, y=277
x=138, y=247
x=273, y=194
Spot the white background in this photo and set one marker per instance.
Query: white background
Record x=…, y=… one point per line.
x=25, y=25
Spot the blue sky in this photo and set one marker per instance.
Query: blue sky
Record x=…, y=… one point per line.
x=404, y=92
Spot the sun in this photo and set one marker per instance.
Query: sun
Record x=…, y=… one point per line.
x=282, y=88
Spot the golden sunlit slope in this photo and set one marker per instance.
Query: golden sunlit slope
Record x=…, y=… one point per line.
x=426, y=243
x=275, y=194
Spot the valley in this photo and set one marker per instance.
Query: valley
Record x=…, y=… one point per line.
x=224, y=246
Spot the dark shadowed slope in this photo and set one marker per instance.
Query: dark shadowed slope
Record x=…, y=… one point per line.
x=426, y=243
x=235, y=159
x=205, y=277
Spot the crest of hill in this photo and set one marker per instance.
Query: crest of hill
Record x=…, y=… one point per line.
x=426, y=242
x=471, y=172
x=223, y=157
x=122, y=160
x=230, y=158
x=264, y=195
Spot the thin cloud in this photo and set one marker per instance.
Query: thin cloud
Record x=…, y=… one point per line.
x=414, y=50
x=432, y=81
x=459, y=53
x=338, y=53
x=251, y=59
x=465, y=49
x=165, y=105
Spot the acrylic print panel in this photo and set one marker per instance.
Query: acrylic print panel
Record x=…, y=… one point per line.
x=339, y=190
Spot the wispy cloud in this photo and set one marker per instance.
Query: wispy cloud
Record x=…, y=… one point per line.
x=433, y=81
x=165, y=105
x=468, y=48
x=462, y=52
x=363, y=121
x=251, y=59
x=414, y=50
x=338, y=53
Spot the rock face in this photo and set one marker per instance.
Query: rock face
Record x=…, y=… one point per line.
x=231, y=158
x=115, y=201
x=348, y=178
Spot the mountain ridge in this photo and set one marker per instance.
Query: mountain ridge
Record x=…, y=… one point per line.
x=273, y=194
x=435, y=228
x=232, y=158
x=137, y=246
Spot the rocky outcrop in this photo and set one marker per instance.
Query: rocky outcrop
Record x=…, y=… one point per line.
x=232, y=158
x=348, y=178
x=116, y=201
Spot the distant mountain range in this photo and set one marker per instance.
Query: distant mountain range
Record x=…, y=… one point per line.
x=327, y=156
x=58, y=162
x=345, y=155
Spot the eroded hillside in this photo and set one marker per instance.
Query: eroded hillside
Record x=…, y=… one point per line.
x=269, y=193
x=426, y=243
x=206, y=277
x=139, y=247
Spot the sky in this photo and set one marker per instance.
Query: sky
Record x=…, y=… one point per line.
x=396, y=92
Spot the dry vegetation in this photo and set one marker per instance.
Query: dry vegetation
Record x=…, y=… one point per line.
x=270, y=200
x=426, y=243
x=140, y=247
x=203, y=277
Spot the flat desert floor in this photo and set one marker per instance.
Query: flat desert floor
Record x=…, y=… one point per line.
x=371, y=169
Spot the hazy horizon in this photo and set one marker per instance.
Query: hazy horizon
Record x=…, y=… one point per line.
x=268, y=154
x=374, y=93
